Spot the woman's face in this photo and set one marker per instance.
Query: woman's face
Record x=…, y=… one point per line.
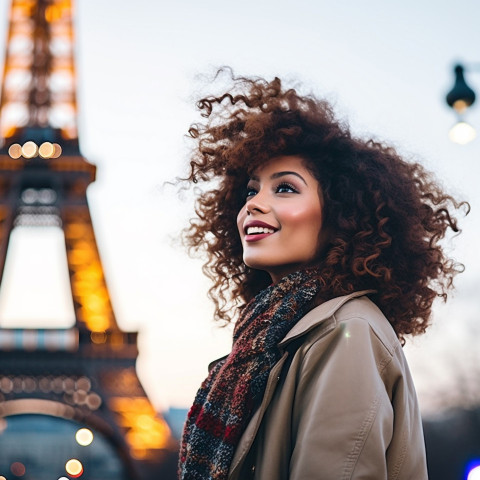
x=281, y=220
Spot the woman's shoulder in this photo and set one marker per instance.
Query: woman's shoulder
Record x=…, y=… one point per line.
x=350, y=313
x=355, y=337
x=362, y=312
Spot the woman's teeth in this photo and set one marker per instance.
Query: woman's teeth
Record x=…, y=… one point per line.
x=256, y=230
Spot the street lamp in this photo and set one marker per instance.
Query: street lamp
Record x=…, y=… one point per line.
x=460, y=98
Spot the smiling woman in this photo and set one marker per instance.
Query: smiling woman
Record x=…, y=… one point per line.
x=281, y=220
x=324, y=249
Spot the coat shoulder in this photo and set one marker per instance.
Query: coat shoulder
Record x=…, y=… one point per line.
x=353, y=311
x=362, y=311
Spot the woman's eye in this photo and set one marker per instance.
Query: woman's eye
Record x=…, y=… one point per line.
x=250, y=192
x=286, y=188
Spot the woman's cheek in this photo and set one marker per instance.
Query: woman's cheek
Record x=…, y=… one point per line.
x=241, y=220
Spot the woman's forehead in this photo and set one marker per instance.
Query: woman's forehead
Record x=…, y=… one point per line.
x=279, y=163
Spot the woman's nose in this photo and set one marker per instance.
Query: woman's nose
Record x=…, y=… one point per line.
x=258, y=203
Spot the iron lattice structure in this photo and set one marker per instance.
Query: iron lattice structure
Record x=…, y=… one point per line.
x=84, y=374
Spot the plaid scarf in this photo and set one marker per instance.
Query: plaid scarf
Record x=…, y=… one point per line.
x=234, y=388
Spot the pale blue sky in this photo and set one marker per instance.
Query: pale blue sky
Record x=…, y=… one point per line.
x=386, y=65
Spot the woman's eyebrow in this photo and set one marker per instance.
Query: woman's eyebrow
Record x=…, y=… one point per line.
x=281, y=174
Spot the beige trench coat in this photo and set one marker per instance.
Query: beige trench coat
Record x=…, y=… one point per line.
x=340, y=404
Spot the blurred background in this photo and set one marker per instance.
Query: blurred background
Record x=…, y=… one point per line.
x=386, y=67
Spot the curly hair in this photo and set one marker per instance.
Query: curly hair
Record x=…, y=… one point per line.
x=385, y=216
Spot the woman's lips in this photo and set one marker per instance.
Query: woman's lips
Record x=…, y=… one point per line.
x=256, y=230
x=257, y=236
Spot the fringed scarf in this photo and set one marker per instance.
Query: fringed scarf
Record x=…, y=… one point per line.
x=234, y=388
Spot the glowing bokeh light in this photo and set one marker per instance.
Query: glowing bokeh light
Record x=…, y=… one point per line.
x=57, y=150
x=15, y=151
x=74, y=468
x=4, y=478
x=93, y=401
x=462, y=133
x=474, y=473
x=29, y=149
x=18, y=469
x=46, y=150
x=84, y=437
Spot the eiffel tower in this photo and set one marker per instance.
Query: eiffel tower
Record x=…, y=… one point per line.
x=71, y=404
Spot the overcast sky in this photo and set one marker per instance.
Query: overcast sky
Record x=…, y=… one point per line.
x=385, y=65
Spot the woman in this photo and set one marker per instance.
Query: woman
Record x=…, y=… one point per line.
x=324, y=249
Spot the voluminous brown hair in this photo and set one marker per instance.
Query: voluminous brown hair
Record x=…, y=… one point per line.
x=385, y=216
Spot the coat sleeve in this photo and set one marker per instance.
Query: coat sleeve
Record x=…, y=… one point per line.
x=344, y=422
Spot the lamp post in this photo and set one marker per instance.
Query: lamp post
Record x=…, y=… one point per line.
x=461, y=97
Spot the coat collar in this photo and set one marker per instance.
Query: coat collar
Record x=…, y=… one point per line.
x=311, y=320
x=318, y=315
